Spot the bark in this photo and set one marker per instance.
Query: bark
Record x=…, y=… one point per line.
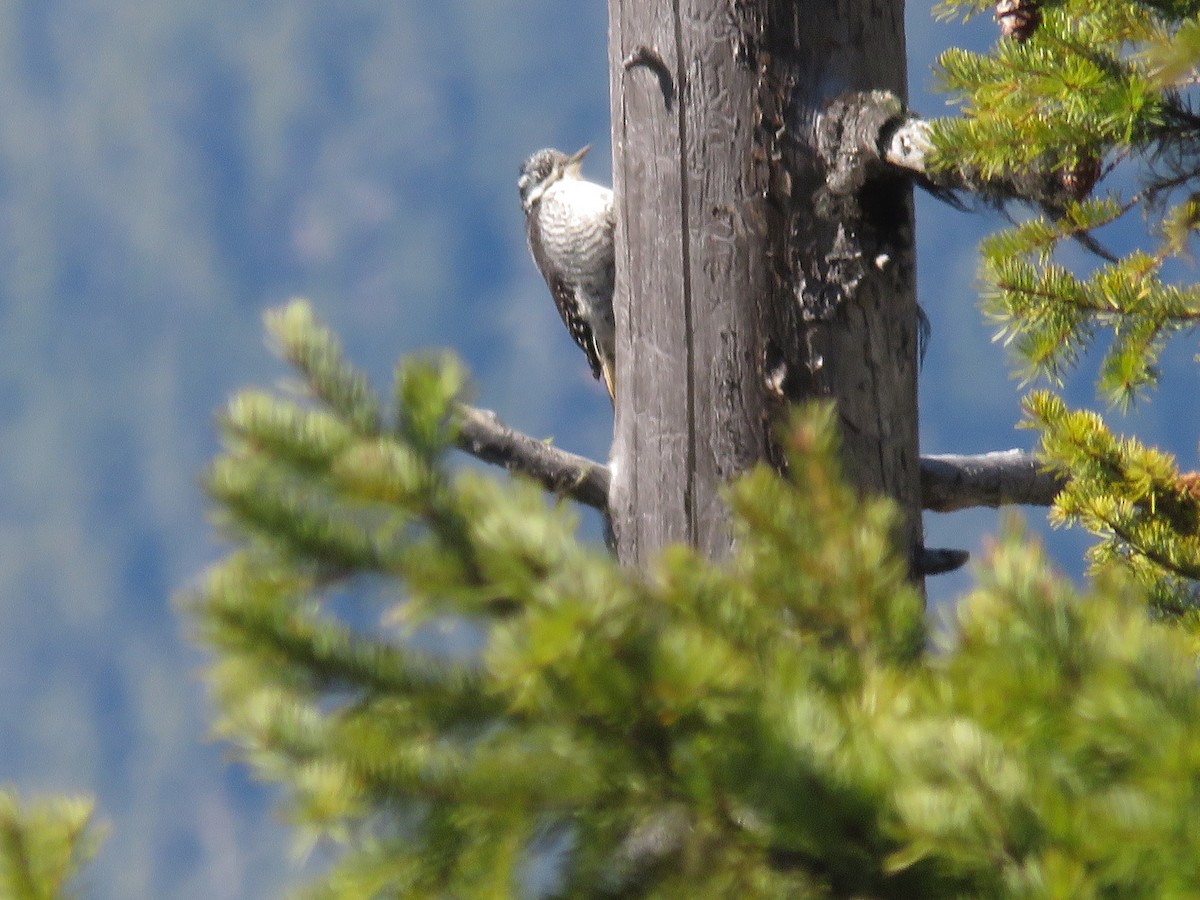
x=480, y=433
x=999, y=478
x=747, y=278
x=948, y=482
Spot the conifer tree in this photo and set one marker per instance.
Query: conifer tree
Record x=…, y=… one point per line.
x=43, y=845
x=1077, y=94
x=467, y=701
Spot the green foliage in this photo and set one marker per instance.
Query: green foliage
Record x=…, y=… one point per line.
x=1074, y=87
x=1173, y=57
x=1041, y=117
x=1051, y=316
x=1093, y=81
x=1065, y=739
x=1146, y=512
x=43, y=845
x=772, y=725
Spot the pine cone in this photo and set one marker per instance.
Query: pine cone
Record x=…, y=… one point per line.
x=1189, y=486
x=1018, y=18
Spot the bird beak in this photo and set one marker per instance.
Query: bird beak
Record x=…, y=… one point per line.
x=575, y=160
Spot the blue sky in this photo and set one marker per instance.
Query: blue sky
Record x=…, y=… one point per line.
x=167, y=173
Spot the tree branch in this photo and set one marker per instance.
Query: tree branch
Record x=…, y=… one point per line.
x=483, y=435
x=907, y=143
x=1005, y=477
x=866, y=132
x=948, y=483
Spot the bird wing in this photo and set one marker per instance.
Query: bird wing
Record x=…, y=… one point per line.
x=570, y=310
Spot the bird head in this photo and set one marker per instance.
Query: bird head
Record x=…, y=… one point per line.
x=544, y=168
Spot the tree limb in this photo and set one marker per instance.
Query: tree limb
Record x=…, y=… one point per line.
x=481, y=434
x=866, y=132
x=907, y=143
x=948, y=483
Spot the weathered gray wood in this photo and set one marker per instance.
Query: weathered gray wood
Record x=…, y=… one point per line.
x=742, y=281
x=999, y=478
x=480, y=433
x=653, y=449
x=948, y=482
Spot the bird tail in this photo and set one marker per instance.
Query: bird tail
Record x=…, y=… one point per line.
x=610, y=378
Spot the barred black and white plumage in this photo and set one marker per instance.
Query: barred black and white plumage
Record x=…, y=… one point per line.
x=570, y=224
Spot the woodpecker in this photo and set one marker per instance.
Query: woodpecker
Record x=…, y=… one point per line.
x=570, y=224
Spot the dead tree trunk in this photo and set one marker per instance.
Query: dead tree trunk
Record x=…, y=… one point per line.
x=757, y=265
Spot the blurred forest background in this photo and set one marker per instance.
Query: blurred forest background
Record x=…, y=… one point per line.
x=170, y=170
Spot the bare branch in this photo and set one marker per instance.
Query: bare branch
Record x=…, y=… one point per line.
x=483, y=435
x=948, y=483
x=908, y=145
x=1004, y=477
x=939, y=560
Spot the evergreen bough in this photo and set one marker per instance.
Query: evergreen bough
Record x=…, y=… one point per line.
x=1095, y=90
x=44, y=844
x=462, y=699
x=780, y=723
